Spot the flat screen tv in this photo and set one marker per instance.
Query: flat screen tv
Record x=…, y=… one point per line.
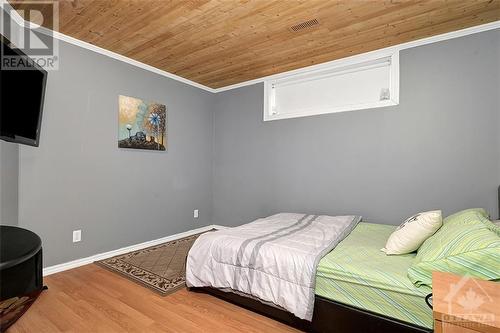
x=21, y=99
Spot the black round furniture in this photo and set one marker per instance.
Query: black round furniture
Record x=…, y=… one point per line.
x=20, y=262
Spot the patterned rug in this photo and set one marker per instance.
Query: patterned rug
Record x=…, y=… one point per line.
x=161, y=267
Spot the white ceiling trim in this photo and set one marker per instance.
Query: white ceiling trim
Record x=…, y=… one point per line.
x=68, y=39
x=371, y=54
x=424, y=41
x=125, y=59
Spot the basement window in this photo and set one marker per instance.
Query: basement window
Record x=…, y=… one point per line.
x=345, y=85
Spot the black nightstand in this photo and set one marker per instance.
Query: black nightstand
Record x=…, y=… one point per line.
x=20, y=262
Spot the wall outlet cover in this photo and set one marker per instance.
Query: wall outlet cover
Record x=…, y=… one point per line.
x=196, y=213
x=77, y=236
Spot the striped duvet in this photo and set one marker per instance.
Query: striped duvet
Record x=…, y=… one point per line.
x=273, y=259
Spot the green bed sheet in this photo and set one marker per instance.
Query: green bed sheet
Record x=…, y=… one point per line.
x=357, y=273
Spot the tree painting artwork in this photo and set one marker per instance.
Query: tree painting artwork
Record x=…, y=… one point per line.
x=141, y=125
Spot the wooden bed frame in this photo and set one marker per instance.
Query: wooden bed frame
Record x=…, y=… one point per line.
x=329, y=316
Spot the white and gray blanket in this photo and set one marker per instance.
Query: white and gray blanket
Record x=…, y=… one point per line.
x=273, y=259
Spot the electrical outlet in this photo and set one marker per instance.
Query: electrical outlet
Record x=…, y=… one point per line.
x=77, y=236
x=196, y=213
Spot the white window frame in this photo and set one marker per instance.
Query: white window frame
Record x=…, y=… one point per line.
x=342, y=66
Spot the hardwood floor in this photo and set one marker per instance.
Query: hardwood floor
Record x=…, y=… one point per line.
x=92, y=299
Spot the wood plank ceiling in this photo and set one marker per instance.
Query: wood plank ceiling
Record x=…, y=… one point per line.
x=223, y=42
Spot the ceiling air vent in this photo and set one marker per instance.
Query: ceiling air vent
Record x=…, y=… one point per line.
x=304, y=25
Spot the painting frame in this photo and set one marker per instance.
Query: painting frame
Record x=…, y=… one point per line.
x=141, y=124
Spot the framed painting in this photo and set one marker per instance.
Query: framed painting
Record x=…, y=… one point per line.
x=141, y=124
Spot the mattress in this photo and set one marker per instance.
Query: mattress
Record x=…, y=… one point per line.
x=357, y=273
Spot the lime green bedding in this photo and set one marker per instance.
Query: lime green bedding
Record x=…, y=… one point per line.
x=468, y=243
x=357, y=273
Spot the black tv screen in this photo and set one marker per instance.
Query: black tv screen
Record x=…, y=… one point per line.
x=21, y=99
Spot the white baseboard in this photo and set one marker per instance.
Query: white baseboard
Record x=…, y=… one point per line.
x=100, y=256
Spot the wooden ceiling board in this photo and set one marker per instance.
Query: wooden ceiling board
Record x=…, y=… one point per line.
x=347, y=46
x=223, y=42
x=317, y=48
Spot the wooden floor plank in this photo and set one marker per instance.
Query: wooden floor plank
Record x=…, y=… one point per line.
x=92, y=299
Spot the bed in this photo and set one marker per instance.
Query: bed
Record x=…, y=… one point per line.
x=357, y=289
x=357, y=273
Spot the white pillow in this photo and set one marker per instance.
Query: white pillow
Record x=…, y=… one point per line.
x=413, y=232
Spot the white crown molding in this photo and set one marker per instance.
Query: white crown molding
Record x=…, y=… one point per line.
x=125, y=59
x=60, y=36
x=101, y=256
x=367, y=55
x=424, y=41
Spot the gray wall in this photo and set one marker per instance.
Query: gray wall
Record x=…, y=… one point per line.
x=498, y=122
x=9, y=174
x=438, y=149
x=79, y=179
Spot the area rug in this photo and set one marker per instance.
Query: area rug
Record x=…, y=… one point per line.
x=161, y=268
x=13, y=308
